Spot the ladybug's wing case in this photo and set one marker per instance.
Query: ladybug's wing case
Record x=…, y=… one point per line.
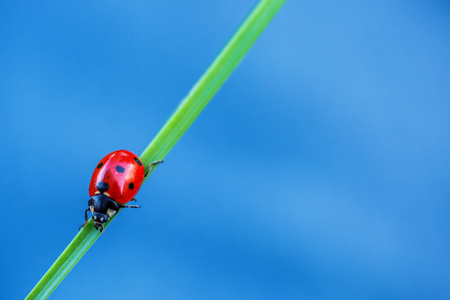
x=98, y=175
x=119, y=175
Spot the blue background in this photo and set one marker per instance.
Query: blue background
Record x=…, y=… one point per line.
x=319, y=171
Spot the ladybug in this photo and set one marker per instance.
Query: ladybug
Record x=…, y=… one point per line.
x=116, y=180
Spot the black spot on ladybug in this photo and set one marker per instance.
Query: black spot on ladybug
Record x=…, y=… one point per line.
x=102, y=186
x=131, y=186
x=99, y=165
x=137, y=161
x=120, y=169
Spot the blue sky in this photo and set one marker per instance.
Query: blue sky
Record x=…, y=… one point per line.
x=320, y=170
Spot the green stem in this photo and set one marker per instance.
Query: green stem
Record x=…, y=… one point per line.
x=171, y=132
x=211, y=81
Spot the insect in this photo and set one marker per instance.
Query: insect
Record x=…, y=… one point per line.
x=116, y=180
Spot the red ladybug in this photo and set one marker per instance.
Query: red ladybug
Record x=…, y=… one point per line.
x=116, y=180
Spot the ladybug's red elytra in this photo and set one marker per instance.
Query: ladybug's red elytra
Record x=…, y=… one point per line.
x=116, y=180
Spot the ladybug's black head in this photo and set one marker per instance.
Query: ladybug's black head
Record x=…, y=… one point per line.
x=102, y=208
x=99, y=219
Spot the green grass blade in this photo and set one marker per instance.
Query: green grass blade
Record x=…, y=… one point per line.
x=171, y=132
x=65, y=262
x=211, y=81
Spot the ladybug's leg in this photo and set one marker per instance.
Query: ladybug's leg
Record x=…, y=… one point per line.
x=150, y=167
x=85, y=218
x=85, y=215
x=129, y=206
x=134, y=200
